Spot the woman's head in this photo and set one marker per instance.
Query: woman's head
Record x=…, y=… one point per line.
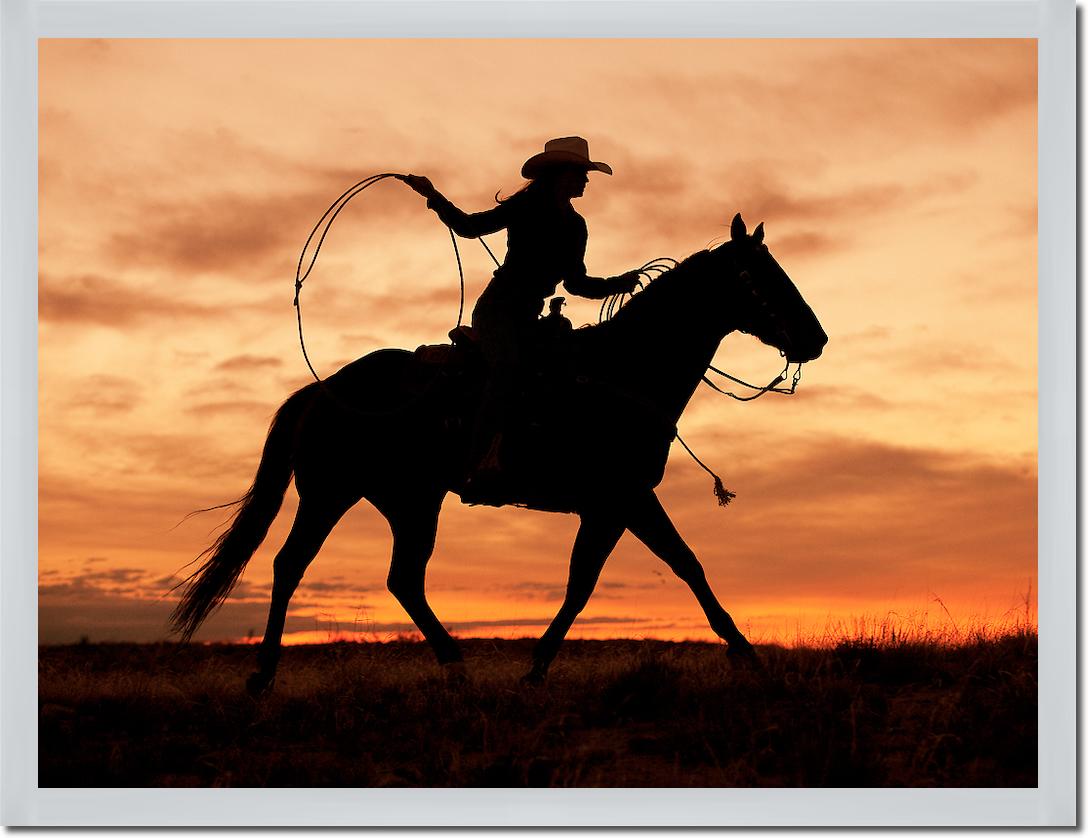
x=556, y=183
x=561, y=171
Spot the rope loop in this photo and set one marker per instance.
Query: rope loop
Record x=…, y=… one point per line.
x=324, y=224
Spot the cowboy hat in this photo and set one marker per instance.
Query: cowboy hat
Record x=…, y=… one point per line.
x=568, y=150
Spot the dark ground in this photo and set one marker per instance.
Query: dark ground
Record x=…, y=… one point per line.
x=613, y=713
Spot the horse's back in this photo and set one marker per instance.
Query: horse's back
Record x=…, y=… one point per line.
x=382, y=370
x=566, y=437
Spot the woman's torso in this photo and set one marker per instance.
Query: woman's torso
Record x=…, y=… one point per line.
x=544, y=243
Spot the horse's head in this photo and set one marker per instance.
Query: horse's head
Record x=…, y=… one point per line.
x=765, y=302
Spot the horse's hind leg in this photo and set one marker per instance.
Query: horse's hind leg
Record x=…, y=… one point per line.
x=313, y=523
x=650, y=524
x=414, y=523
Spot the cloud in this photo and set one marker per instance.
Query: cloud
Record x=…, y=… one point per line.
x=940, y=88
x=841, y=398
x=802, y=218
x=551, y=592
x=336, y=585
x=119, y=581
x=859, y=519
x=75, y=514
x=937, y=356
x=107, y=302
x=105, y=395
x=116, y=575
x=765, y=198
x=68, y=615
x=763, y=195
x=246, y=407
x=869, y=336
x=803, y=245
x=244, y=363
x=250, y=234
x=71, y=611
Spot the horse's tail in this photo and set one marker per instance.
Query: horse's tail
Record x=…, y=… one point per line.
x=208, y=586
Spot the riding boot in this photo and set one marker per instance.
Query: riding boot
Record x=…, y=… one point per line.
x=485, y=485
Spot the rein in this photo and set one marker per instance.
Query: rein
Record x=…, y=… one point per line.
x=772, y=387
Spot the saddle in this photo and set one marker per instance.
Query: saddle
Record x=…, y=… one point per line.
x=545, y=348
x=534, y=412
x=463, y=348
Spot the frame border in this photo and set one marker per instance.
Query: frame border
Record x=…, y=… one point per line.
x=1054, y=802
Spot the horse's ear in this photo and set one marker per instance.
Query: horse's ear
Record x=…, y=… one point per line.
x=757, y=235
x=737, y=229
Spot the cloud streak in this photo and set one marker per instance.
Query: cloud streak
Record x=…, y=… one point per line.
x=96, y=300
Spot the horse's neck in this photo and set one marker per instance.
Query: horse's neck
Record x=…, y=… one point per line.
x=661, y=352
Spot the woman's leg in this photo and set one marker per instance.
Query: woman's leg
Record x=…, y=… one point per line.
x=500, y=341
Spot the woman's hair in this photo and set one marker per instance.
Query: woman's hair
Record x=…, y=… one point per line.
x=540, y=183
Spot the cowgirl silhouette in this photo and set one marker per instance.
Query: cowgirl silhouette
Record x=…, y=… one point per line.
x=545, y=245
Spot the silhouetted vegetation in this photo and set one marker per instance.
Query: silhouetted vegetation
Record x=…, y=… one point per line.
x=612, y=713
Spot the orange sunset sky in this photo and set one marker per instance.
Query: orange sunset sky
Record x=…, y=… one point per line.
x=897, y=183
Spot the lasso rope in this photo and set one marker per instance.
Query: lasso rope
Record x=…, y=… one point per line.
x=325, y=224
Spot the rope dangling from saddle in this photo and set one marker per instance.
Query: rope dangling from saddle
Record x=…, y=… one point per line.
x=723, y=495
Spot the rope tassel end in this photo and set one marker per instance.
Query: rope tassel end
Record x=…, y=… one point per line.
x=721, y=493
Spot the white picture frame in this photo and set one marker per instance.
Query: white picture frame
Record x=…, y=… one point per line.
x=1052, y=803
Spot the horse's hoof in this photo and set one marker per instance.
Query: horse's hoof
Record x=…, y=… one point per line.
x=534, y=678
x=743, y=655
x=456, y=673
x=259, y=684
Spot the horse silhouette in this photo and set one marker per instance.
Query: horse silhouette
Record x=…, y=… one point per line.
x=381, y=429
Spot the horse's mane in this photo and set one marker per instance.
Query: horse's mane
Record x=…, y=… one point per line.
x=649, y=298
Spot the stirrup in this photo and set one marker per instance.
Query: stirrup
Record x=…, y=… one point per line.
x=485, y=491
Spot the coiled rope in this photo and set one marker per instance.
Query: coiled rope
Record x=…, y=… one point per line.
x=650, y=271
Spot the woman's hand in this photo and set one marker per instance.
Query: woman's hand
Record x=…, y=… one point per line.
x=420, y=184
x=629, y=281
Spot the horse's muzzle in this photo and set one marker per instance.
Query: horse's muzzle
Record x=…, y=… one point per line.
x=810, y=351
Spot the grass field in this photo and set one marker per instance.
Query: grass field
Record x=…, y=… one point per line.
x=613, y=713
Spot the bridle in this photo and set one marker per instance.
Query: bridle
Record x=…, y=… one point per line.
x=780, y=330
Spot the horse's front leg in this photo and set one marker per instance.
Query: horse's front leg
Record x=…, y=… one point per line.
x=650, y=524
x=597, y=537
